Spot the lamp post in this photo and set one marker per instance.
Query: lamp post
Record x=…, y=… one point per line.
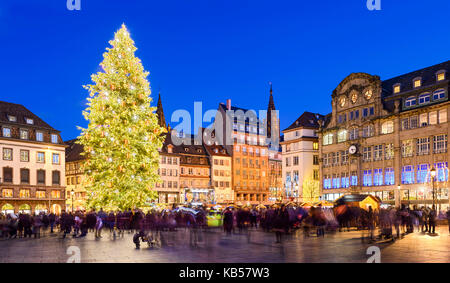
x=433, y=175
x=72, y=193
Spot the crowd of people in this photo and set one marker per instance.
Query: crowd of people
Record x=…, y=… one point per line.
x=391, y=223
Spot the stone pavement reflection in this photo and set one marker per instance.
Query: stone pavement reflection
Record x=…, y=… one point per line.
x=215, y=246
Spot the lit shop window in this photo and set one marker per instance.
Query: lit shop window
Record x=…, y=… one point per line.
x=367, y=178
x=442, y=171
x=7, y=193
x=389, y=176
x=408, y=174
x=423, y=173
x=378, y=177
x=56, y=194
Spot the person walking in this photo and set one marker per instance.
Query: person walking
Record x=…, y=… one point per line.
x=228, y=221
x=432, y=220
x=98, y=227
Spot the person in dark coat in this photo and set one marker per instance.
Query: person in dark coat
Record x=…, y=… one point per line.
x=281, y=224
x=432, y=220
x=51, y=221
x=228, y=221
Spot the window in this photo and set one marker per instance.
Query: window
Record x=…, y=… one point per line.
x=55, y=177
x=40, y=157
x=335, y=157
x=423, y=146
x=24, y=155
x=407, y=148
x=422, y=173
x=410, y=101
x=6, y=132
x=387, y=127
x=433, y=118
x=424, y=98
x=341, y=118
x=327, y=182
x=378, y=177
x=12, y=118
x=439, y=94
x=295, y=160
x=55, y=158
x=316, y=174
x=354, y=178
x=40, y=194
x=440, y=144
x=29, y=121
x=7, y=174
x=24, y=193
x=440, y=76
x=7, y=193
x=368, y=131
x=315, y=160
x=367, y=153
x=389, y=176
x=54, y=138
x=378, y=152
x=353, y=134
x=396, y=88
x=442, y=116
x=7, y=154
x=408, y=174
x=423, y=119
x=367, y=178
x=24, y=176
x=23, y=134
x=328, y=139
x=40, y=177
x=39, y=136
x=389, y=151
x=56, y=194
x=342, y=135
x=441, y=171
x=344, y=158
x=405, y=124
x=414, y=122
x=315, y=145
x=326, y=161
x=345, y=181
x=417, y=83
x=336, y=182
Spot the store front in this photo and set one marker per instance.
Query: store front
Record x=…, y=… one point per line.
x=197, y=196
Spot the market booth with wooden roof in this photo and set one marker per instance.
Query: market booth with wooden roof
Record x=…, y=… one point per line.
x=361, y=201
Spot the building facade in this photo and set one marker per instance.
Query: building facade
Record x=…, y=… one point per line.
x=300, y=149
x=169, y=170
x=389, y=138
x=221, y=178
x=32, y=175
x=75, y=191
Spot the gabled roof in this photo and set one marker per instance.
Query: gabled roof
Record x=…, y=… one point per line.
x=306, y=120
x=21, y=112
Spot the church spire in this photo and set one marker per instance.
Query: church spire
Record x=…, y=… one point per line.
x=160, y=113
x=271, y=121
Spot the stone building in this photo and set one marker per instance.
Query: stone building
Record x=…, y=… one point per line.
x=388, y=138
x=300, y=148
x=32, y=175
x=169, y=190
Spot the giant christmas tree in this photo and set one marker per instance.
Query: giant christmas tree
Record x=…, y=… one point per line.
x=123, y=137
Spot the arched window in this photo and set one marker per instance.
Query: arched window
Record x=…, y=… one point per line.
x=410, y=101
x=387, y=127
x=424, y=98
x=439, y=94
x=342, y=135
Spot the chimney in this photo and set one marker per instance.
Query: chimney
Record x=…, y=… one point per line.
x=228, y=104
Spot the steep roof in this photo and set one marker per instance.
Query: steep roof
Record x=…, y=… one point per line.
x=307, y=119
x=428, y=76
x=21, y=113
x=73, y=151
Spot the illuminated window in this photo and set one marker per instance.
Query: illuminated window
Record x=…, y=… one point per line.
x=24, y=193
x=54, y=138
x=40, y=194
x=55, y=158
x=342, y=135
x=440, y=144
x=23, y=134
x=12, y=118
x=29, y=121
x=56, y=194
x=389, y=176
x=407, y=148
x=433, y=118
x=7, y=193
x=387, y=127
x=441, y=76
x=417, y=83
x=39, y=136
x=396, y=88
x=378, y=177
x=328, y=139
x=389, y=151
x=315, y=145
x=24, y=155
x=40, y=157
x=408, y=174
x=422, y=173
x=7, y=154
x=367, y=178
x=6, y=132
x=441, y=171
x=442, y=116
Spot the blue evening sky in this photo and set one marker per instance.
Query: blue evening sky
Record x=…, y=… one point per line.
x=211, y=50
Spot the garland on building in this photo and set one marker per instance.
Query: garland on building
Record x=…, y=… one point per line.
x=122, y=139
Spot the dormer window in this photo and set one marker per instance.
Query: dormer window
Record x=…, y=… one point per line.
x=23, y=134
x=12, y=118
x=29, y=121
x=39, y=136
x=417, y=82
x=54, y=138
x=424, y=98
x=440, y=76
x=410, y=101
x=397, y=88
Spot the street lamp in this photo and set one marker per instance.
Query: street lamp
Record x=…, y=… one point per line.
x=433, y=175
x=72, y=193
